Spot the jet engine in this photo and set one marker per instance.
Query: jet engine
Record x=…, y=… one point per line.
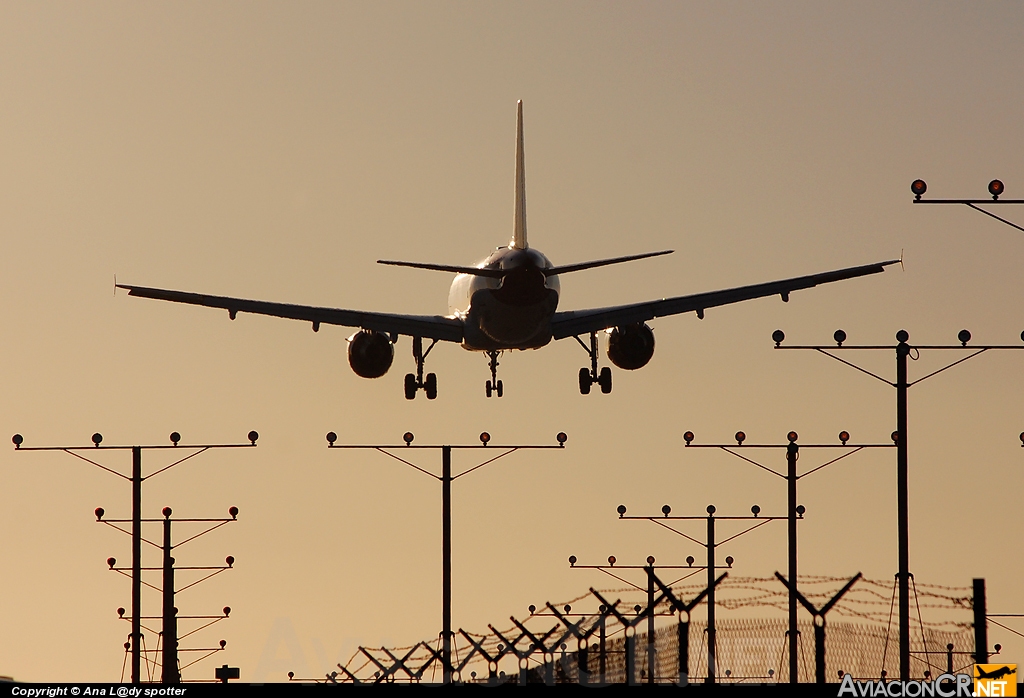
x=631, y=346
x=370, y=353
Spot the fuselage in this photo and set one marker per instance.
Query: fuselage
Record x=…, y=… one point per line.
x=513, y=312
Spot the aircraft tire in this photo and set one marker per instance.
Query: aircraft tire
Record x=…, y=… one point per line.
x=410, y=386
x=585, y=381
x=430, y=386
x=488, y=388
x=605, y=380
x=498, y=388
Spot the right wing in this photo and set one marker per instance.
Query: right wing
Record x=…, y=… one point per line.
x=427, y=326
x=576, y=322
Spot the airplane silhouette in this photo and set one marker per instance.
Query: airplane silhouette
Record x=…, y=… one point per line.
x=508, y=301
x=995, y=674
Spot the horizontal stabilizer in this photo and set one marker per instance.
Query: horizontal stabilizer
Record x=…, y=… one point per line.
x=565, y=269
x=473, y=271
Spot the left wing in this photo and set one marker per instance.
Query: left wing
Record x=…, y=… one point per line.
x=576, y=322
x=427, y=326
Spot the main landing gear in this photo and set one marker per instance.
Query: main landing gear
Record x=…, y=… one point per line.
x=414, y=382
x=493, y=385
x=589, y=376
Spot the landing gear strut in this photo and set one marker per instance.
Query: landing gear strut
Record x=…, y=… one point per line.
x=493, y=385
x=589, y=376
x=416, y=382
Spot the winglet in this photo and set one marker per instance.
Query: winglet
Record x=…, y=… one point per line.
x=902, y=268
x=519, y=230
x=115, y=285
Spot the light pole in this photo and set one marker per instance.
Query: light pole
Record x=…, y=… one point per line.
x=902, y=384
x=136, y=479
x=446, y=478
x=794, y=510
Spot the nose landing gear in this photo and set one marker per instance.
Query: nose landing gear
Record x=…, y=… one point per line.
x=493, y=385
x=589, y=376
x=415, y=382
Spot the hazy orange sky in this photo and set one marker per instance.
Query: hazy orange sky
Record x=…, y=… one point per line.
x=277, y=150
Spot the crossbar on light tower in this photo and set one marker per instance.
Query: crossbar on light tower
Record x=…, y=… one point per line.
x=995, y=188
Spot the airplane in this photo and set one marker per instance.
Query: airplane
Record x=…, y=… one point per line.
x=508, y=301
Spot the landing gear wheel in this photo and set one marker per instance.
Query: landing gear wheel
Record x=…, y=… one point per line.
x=605, y=380
x=493, y=385
x=430, y=386
x=585, y=381
x=410, y=386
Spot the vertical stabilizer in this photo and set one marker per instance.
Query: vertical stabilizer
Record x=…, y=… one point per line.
x=519, y=232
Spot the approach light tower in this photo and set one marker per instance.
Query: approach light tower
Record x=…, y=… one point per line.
x=446, y=478
x=136, y=479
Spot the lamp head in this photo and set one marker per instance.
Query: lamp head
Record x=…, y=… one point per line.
x=778, y=336
x=253, y=436
x=740, y=438
x=572, y=561
x=621, y=509
x=611, y=560
x=688, y=436
x=995, y=188
x=964, y=336
x=233, y=511
x=99, y=513
x=918, y=187
x=755, y=510
x=792, y=437
x=407, y=437
x=175, y=437
x=561, y=438
x=484, y=437
x=97, y=439
x=666, y=510
x=839, y=336
x=331, y=438
x=844, y=436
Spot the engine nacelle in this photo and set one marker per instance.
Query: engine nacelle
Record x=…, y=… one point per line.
x=370, y=353
x=631, y=346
